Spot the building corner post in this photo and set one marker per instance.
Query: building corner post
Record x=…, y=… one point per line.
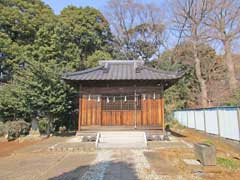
x=80, y=108
x=163, y=113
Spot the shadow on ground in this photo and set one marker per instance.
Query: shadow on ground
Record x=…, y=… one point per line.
x=108, y=170
x=173, y=133
x=65, y=134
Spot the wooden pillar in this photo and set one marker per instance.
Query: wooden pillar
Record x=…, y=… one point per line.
x=80, y=109
x=163, y=118
x=135, y=108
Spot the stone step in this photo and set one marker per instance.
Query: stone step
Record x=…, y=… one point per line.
x=122, y=134
x=121, y=146
x=121, y=140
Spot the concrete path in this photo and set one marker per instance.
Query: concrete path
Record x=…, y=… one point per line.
x=122, y=139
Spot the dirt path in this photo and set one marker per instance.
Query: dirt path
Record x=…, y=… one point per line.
x=7, y=148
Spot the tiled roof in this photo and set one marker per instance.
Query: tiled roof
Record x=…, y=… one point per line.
x=122, y=70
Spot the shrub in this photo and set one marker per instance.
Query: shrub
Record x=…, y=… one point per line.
x=42, y=125
x=2, y=129
x=16, y=128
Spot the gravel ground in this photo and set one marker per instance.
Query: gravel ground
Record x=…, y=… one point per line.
x=98, y=167
x=125, y=165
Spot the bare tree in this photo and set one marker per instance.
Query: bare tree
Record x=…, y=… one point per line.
x=138, y=28
x=189, y=18
x=224, y=25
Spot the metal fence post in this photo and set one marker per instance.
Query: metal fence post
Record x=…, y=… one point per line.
x=218, y=123
x=195, y=124
x=204, y=117
x=238, y=116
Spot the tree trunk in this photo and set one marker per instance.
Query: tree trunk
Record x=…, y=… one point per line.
x=230, y=65
x=50, y=117
x=203, y=87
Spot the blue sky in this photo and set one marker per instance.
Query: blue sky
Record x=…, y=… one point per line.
x=58, y=5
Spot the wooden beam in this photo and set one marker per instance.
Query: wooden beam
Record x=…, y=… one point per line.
x=119, y=90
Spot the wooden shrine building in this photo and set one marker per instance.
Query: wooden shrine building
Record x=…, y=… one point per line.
x=121, y=93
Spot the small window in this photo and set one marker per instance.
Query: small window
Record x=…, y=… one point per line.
x=122, y=102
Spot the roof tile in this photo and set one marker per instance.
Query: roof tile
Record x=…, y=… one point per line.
x=122, y=70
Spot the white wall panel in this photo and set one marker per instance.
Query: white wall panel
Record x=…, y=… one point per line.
x=211, y=121
x=191, y=121
x=199, y=115
x=228, y=120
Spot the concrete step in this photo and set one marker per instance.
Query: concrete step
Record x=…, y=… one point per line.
x=121, y=140
x=122, y=136
x=121, y=146
x=122, y=132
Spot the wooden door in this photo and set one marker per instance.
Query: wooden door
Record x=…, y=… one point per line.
x=90, y=111
x=146, y=110
x=118, y=110
x=151, y=111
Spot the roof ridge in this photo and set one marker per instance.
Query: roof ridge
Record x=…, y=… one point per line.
x=101, y=62
x=83, y=72
x=158, y=70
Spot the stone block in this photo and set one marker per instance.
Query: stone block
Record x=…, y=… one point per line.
x=205, y=153
x=166, y=138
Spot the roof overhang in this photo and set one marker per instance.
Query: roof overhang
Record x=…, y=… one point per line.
x=122, y=72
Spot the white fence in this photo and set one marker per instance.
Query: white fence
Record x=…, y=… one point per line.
x=221, y=121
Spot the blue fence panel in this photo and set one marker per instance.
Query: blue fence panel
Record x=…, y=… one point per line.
x=199, y=115
x=223, y=121
x=184, y=118
x=211, y=120
x=191, y=120
x=228, y=120
x=180, y=117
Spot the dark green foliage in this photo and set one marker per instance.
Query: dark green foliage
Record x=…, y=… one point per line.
x=37, y=48
x=2, y=129
x=43, y=125
x=92, y=61
x=89, y=28
x=13, y=102
x=15, y=129
x=20, y=21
